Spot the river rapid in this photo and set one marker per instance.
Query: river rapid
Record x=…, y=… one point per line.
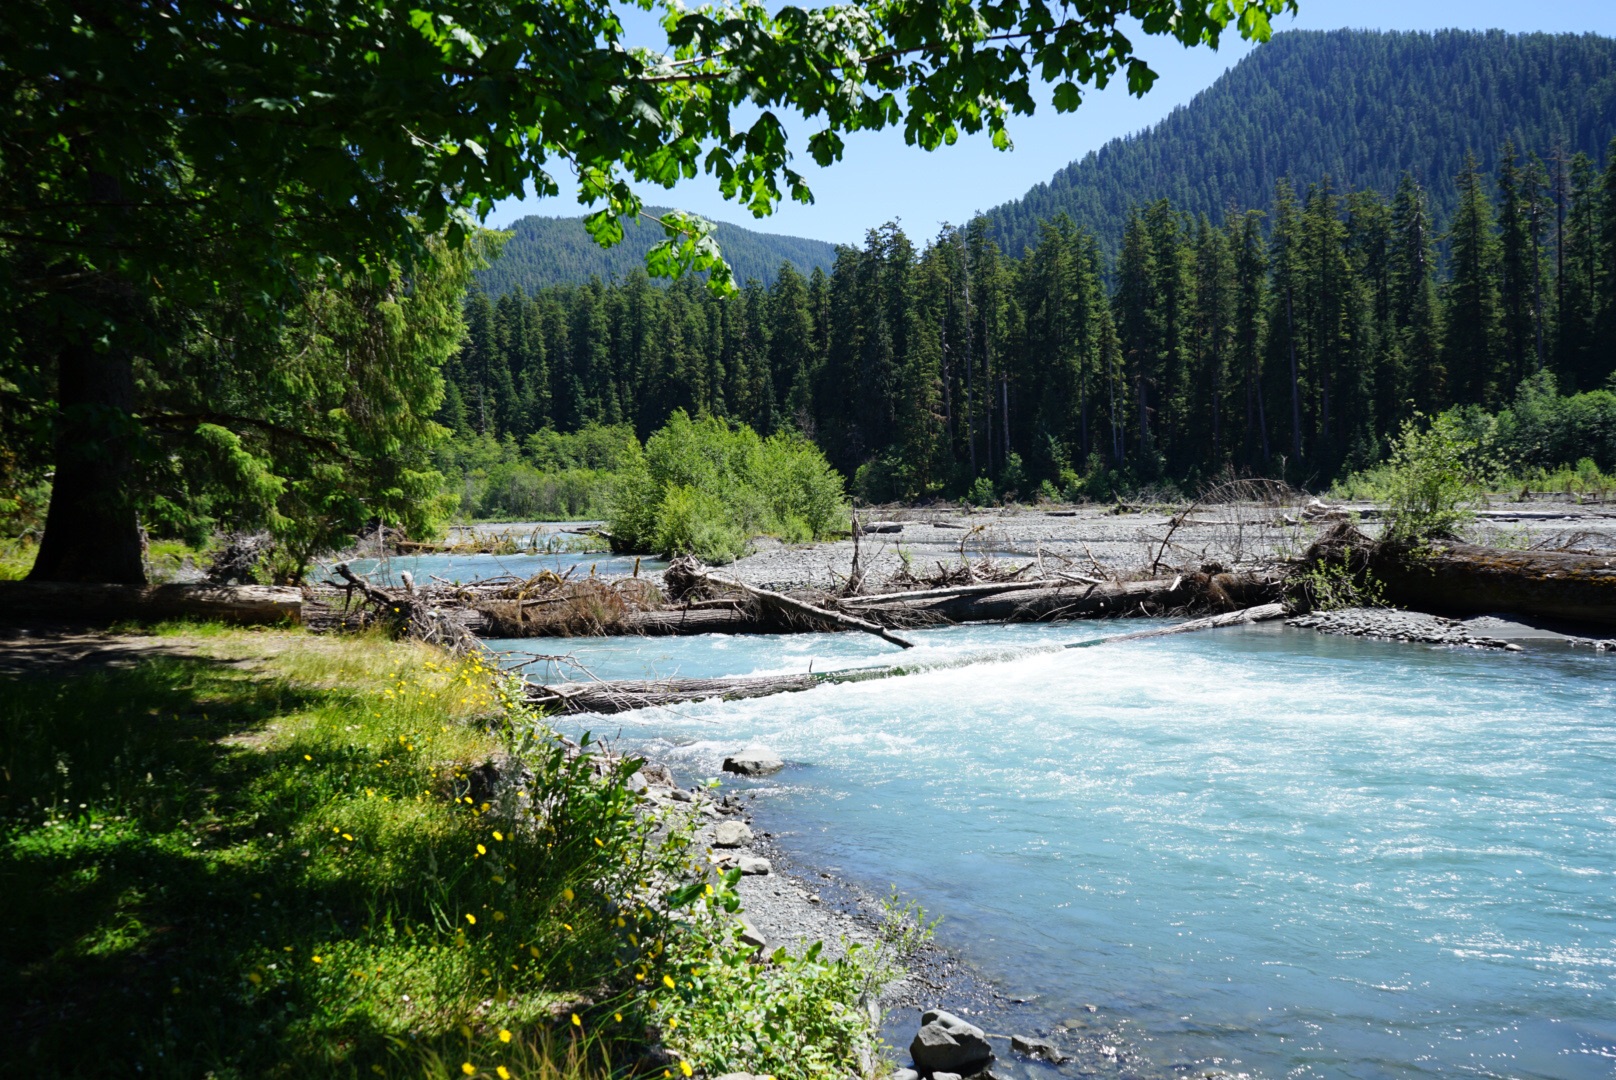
x=1260, y=851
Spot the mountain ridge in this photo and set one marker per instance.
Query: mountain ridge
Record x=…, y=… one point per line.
x=544, y=251
x=1358, y=106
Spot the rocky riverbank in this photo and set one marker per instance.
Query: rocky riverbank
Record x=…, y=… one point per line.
x=1389, y=624
x=942, y=1019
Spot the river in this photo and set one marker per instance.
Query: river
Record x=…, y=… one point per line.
x=1260, y=850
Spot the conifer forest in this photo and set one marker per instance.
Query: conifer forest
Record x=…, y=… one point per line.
x=1289, y=339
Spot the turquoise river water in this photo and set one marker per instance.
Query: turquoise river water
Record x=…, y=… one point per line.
x=1259, y=850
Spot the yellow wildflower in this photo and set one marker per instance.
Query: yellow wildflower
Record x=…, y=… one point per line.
x=472, y=919
x=504, y=1036
x=684, y=1067
x=468, y=1068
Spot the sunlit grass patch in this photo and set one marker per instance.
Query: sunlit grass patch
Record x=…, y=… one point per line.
x=271, y=853
x=259, y=858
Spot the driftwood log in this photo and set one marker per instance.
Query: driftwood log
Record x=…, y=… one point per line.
x=76, y=601
x=787, y=609
x=1463, y=579
x=760, y=611
x=1045, y=601
x=617, y=696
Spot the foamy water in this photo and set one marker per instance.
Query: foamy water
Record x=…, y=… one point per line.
x=1261, y=849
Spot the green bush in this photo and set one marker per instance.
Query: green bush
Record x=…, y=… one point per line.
x=1544, y=430
x=1432, y=474
x=691, y=520
x=551, y=475
x=705, y=487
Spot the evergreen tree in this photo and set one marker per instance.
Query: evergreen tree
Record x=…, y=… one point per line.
x=1577, y=351
x=1422, y=377
x=1288, y=261
x=793, y=352
x=1250, y=308
x=1604, y=358
x=1472, y=344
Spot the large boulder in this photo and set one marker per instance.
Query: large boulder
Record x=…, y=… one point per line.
x=731, y=834
x=945, y=1043
x=754, y=761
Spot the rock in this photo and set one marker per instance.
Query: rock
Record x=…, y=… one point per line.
x=738, y=1076
x=754, y=867
x=1037, y=1048
x=657, y=774
x=731, y=834
x=755, y=761
x=946, y=1076
x=905, y=1074
x=751, y=935
x=945, y=1043
x=680, y=795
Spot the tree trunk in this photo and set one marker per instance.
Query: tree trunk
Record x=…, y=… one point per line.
x=98, y=603
x=618, y=696
x=91, y=531
x=1464, y=579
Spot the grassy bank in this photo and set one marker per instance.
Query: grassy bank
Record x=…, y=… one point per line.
x=271, y=853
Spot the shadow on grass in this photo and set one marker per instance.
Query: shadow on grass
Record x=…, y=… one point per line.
x=174, y=901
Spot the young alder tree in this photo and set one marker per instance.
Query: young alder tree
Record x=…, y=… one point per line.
x=176, y=171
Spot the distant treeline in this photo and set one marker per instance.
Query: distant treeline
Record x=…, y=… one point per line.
x=1291, y=340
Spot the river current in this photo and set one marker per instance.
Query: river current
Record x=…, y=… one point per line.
x=1258, y=850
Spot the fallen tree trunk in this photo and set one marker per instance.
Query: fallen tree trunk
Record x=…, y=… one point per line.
x=251, y=604
x=733, y=619
x=1046, y=602
x=765, y=612
x=1245, y=616
x=810, y=613
x=617, y=696
x=1464, y=579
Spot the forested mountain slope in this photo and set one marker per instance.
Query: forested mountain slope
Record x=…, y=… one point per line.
x=1357, y=106
x=545, y=251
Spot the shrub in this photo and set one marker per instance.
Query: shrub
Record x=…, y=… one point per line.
x=981, y=492
x=1433, y=472
x=705, y=487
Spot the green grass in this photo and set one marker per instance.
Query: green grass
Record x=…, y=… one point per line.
x=269, y=853
x=164, y=558
x=247, y=861
x=16, y=559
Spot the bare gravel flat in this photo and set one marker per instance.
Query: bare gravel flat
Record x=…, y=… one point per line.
x=1086, y=539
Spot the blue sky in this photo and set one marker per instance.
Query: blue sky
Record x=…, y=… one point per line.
x=880, y=179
